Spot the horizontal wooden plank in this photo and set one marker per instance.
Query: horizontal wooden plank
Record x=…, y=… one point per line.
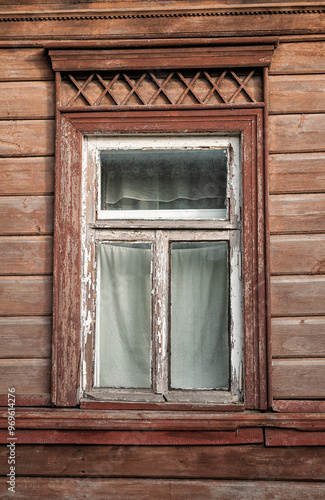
x=80, y=419
x=299, y=406
x=298, y=337
x=299, y=58
x=291, y=437
x=298, y=378
x=26, y=215
x=27, y=137
x=25, y=337
x=158, y=489
x=297, y=213
x=26, y=376
x=297, y=133
x=297, y=254
x=171, y=438
x=27, y=175
x=28, y=100
x=25, y=296
x=25, y=64
x=297, y=94
x=298, y=295
x=28, y=400
x=25, y=255
x=231, y=462
x=297, y=173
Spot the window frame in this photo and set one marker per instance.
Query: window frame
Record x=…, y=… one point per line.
x=225, y=229
x=67, y=305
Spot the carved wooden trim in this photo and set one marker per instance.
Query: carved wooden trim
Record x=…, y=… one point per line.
x=236, y=11
x=163, y=88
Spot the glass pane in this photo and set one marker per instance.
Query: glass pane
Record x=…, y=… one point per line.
x=199, y=315
x=162, y=179
x=124, y=308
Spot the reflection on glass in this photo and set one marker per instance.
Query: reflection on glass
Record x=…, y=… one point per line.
x=124, y=325
x=199, y=315
x=164, y=179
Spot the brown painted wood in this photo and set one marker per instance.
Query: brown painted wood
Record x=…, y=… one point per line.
x=24, y=64
x=298, y=296
x=296, y=406
x=25, y=255
x=149, y=489
x=25, y=296
x=33, y=100
x=195, y=57
x=298, y=379
x=80, y=419
x=297, y=173
x=26, y=215
x=26, y=176
x=67, y=281
x=301, y=133
x=26, y=376
x=298, y=337
x=234, y=462
x=167, y=21
x=28, y=400
x=137, y=438
x=297, y=94
x=298, y=254
x=299, y=58
x=297, y=213
x=27, y=137
x=26, y=337
x=290, y=437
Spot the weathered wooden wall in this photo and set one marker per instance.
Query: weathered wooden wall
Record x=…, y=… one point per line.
x=297, y=224
x=297, y=221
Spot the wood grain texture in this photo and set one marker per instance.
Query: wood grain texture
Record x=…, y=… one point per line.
x=25, y=337
x=297, y=213
x=137, y=438
x=298, y=337
x=25, y=64
x=232, y=462
x=25, y=296
x=297, y=296
x=27, y=137
x=26, y=215
x=297, y=94
x=301, y=133
x=26, y=176
x=297, y=254
x=299, y=58
x=31, y=100
x=296, y=406
x=291, y=437
x=25, y=255
x=297, y=173
x=27, y=376
x=298, y=378
x=40, y=488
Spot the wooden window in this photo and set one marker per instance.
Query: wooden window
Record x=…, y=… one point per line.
x=109, y=123
x=167, y=306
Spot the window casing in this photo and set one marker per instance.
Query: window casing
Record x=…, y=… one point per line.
x=160, y=247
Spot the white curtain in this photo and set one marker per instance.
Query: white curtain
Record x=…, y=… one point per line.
x=163, y=179
x=199, y=316
x=124, y=315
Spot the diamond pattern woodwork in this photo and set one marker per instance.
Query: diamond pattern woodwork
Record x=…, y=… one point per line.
x=162, y=88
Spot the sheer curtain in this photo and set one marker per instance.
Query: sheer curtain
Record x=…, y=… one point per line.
x=163, y=179
x=199, y=315
x=124, y=315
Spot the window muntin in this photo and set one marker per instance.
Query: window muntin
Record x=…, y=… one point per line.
x=165, y=244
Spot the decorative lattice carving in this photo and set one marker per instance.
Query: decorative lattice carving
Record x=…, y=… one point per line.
x=162, y=88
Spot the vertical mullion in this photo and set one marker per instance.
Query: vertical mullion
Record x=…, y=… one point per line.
x=161, y=312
